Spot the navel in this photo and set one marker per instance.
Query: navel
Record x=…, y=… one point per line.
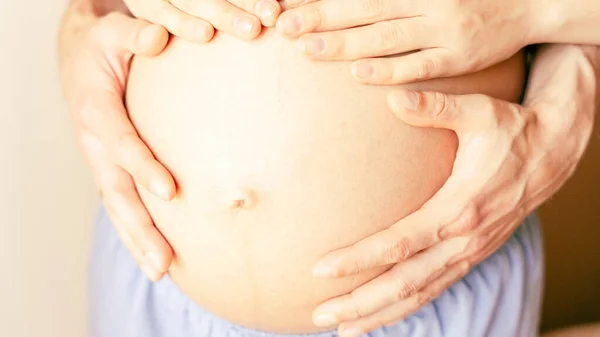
x=242, y=198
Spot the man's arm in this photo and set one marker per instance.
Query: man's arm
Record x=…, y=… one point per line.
x=597, y=78
x=567, y=21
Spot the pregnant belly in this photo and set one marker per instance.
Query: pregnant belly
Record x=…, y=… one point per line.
x=279, y=160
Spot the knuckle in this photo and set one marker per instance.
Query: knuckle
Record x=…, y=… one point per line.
x=422, y=298
x=469, y=219
x=317, y=18
x=356, y=307
x=488, y=104
x=426, y=69
x=357, y=266
x=397, y=250
x=489, y=112
x=112, y=189
x=404, y=289
x=441, y=104
x=389, y=36
x=372, y=9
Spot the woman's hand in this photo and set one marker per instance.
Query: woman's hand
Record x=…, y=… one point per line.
x=195, y=20
x=94, y=63
x=434, y=38
x=510, y=159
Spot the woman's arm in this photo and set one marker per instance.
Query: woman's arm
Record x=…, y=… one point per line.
x=96, y=43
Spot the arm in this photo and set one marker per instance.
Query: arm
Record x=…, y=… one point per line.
x=567, y=21
x=510, y=159
x=597, y=78
x=96, y=42
x=426, y=39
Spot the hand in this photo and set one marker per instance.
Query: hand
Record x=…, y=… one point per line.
x=429, y=38
x=94, y=60
x=194, y=19
x=510, y=159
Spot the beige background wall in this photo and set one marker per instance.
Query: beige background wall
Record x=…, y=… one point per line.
x=47, y=200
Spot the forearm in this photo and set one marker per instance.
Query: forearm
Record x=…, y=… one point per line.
x=598, y=78
x=566, y=21
x=563, y=79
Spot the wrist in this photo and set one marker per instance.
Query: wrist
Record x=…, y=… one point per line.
x=548, y=18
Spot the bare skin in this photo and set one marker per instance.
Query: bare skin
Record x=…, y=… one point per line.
x=278, y=163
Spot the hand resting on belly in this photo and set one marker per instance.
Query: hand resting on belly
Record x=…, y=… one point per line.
x=279, y=160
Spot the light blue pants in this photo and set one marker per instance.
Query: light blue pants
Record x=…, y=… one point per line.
x=500, y=297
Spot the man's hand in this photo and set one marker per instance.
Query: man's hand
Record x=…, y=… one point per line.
x=432, y=38
x=510, y=159
x=94, y=63
x=195, y=20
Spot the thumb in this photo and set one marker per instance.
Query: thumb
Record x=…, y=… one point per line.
x=427, y=108
x=124, y=34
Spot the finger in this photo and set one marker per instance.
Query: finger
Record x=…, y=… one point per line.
x=398, y=283
x=402, y=309
x=419, y=66
x=154, y=255
x=105, y=117
x=296, y=3
x=131, y=218
x=266, y=10
x=412, y=234
x=397, y=243
x=147, y=268
x=223, y=16
x=438, y=110
x=322, y=16
x=379, y=39
x=123, y=34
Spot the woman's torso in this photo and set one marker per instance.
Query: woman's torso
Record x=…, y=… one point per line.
x=318, y=159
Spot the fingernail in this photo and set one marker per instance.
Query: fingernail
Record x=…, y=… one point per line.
x=314, y=45
x=325, y=320
x=153, y=260
x=351, y=332
x=160, y=190
x=265, y=10
x=406, y=99
x=324, y=270
x=363, y=70
x=150, y=272
x=243, y=24
x=291, y=25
